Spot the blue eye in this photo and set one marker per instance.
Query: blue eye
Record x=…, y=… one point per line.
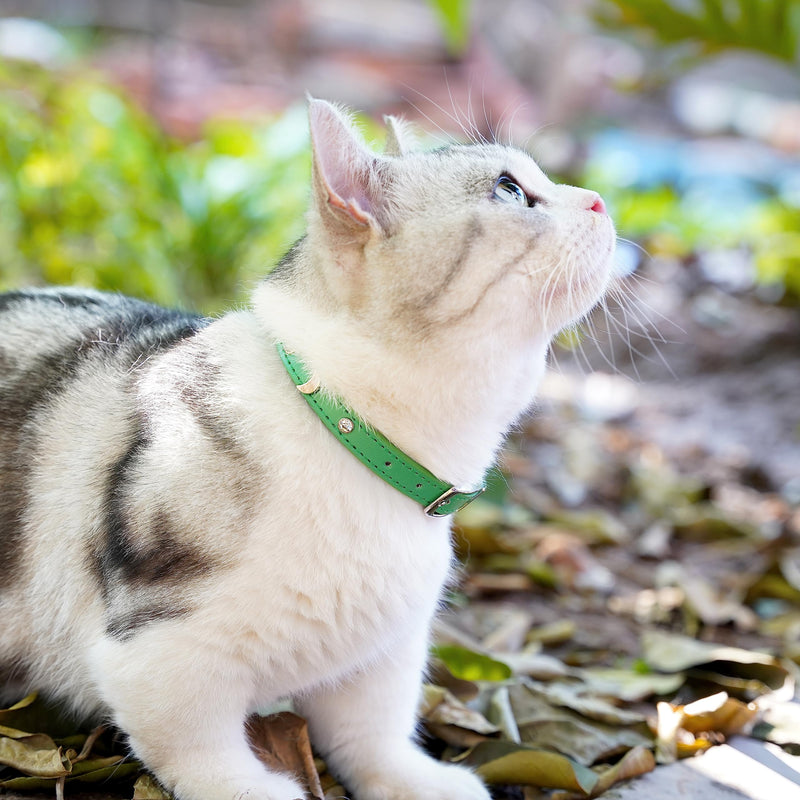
x=506, y=191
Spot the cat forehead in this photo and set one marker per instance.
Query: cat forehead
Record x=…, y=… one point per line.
x=478, y=164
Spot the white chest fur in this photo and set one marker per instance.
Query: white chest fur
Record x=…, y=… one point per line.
x=360, y=580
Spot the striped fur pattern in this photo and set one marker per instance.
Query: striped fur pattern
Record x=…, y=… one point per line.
x=183, y=543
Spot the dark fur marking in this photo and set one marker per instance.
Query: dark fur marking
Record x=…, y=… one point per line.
x=64, y=298
x=473, y=233
x=125, y=627
x=168, y=560
x=165, y=559
x=19, y=401
x=493, y=280
x=197, y=392
x=284, y=270
x=129, y=329
x=116, y=552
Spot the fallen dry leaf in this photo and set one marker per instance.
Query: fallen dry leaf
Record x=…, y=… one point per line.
x=635, y=762
x=546, y=723
x=453, y=722
x=281, y=742
x=147, y=788
x=720, y=713
x=510, y=763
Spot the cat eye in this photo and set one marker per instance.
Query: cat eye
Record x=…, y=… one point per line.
x=506, y=191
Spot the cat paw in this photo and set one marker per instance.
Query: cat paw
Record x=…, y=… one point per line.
x=280, y=788
x=428, y=780
x=275, y=787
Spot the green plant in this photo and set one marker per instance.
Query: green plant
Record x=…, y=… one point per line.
x=770, y=27
x=92, y=192
x=777, y=248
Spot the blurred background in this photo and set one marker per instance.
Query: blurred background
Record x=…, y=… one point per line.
x=160, y=148
x=160, y=145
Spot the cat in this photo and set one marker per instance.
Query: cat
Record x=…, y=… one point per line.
x=184, y=540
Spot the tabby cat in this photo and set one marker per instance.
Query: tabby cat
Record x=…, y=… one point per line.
x=186, y=538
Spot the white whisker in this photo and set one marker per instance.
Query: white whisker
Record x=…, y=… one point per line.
x=634, y=244
x=446, y=137
x=454, y=119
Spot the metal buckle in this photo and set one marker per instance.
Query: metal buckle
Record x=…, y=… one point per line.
x=433, y=507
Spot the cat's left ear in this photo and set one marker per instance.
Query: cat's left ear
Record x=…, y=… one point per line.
x=345, y=184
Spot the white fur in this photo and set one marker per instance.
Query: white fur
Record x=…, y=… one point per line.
x=325, y=585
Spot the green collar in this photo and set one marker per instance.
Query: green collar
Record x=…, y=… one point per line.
x=373, y=449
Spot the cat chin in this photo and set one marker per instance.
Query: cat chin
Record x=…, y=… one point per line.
x=566, y=302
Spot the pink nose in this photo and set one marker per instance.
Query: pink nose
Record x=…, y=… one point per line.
x=599, y=206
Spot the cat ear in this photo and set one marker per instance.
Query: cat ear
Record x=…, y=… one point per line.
x=345, y=186
x=398, y=136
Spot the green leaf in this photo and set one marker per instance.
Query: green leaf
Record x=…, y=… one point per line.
x=33, y=715
x=579, y=697
x=471, y=666
x=745, y=673
x=95, y=770
x=28, y=784
x=669, y=652
x=594, y=526
x=449, y=719
x=510, y=763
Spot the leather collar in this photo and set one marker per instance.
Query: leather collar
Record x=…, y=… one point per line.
x=437, y=497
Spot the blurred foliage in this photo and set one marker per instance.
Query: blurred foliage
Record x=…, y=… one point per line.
x=778, y=253
x=771, y=27
x=674, y=220
x=666, y=217
x=454, y=17
x=93, y=193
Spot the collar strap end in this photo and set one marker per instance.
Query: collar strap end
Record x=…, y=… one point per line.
x=452, y=500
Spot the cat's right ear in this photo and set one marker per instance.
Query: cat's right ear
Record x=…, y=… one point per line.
x=346, y=189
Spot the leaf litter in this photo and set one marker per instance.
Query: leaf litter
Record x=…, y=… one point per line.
x=633, y=611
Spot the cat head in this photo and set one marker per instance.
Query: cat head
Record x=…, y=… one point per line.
x=469, y=237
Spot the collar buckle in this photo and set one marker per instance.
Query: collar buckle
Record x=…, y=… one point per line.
x=452, y=500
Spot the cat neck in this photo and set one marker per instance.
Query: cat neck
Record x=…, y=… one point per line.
x=447, y=403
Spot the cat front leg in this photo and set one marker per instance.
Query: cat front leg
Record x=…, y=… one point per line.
x=185, y=717
x=365, y=728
